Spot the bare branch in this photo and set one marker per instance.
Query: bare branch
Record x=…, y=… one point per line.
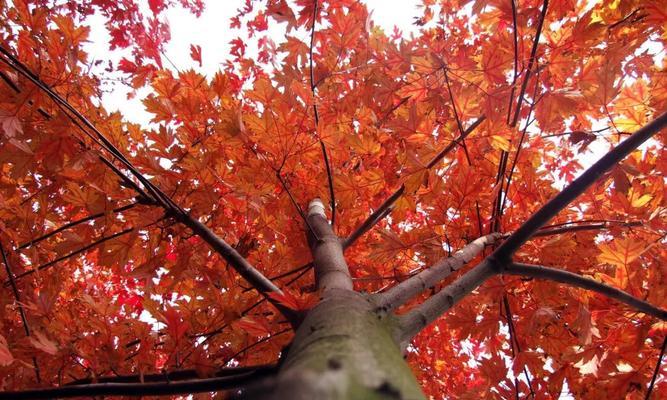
x=255, y=344
x=84, y=125
x=531, y=61
x=313, y=89
x=381, y=212
x=238, y=262
x=438, y=157
x=134, y=389
x=22, y=314
x=74, y=253
x=427, y=279
x=514, y=343
x=577, y=187
x=518, y=152
x=296, y=205
x=227, y=252
x=375, y=217
x=126, y=181
x=74, y=223
x=180, y=375
x=456, y=116
x=549, y=231
x=657, y=370
x=422, y=315
x=515, y=33
x=572, y=279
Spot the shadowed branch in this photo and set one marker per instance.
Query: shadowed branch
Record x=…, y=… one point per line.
x=505, y=251
x=75, y=223
x=136, y=389
x=177, y=375
x=572, y=279
x=74, y=253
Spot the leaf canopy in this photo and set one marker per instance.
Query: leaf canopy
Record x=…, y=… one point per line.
x=125, y=289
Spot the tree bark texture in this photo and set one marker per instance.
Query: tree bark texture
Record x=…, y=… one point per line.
x=344, y=348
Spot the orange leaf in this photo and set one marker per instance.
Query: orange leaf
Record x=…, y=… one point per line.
x=40, y=341
x=620, y=252
x=252, y=325
x=6, y=357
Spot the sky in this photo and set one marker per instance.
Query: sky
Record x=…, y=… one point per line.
x=211, y=31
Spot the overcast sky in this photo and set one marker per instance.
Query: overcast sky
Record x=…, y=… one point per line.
x=211, y=31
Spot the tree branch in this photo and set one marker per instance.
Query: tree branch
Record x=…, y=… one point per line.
x=135, y=389
x=375, y=217
x=22, y=314
x=428, y=278
x=438, y=157
x=505, y=251
x=382, y=211
x=456, y=115
x=514, y=343
x=327, y=165
x=572, y=279
x=74, y=223
x=422, y=315
x=549, y=231
x=515, y=33
x=83, y=123
x=657, y=370
x=238, y=262
x=531, y=61
x=242, y=266
x=74, y=253
x=331, y=270
x=180, y=375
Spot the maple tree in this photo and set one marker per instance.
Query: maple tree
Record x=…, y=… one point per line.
x=457, y=227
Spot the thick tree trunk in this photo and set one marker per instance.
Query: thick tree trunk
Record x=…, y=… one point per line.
x=344, y=348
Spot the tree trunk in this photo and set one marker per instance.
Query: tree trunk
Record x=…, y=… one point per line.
x=344, y=348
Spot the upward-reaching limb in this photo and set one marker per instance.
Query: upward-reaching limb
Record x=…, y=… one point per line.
x=500, y=259
x=404, y=291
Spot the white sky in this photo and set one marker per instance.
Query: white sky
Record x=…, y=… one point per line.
x=211, y=31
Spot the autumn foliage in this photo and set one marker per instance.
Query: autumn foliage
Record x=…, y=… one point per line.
x=98, y=280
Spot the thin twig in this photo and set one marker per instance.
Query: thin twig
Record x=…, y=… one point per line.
x=74, y=223
x=657, y=369
x=572, y=279
x=17, y=297
x=313, y=89
x=515, y=343
x=504, y=252
x=375, y=217
x=74, y=253
x=518, y=150
x=456, y=116
x=296, y=205
x=531, y=61
x=516, y=60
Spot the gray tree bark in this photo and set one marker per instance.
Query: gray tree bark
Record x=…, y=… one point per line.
x=344, y=348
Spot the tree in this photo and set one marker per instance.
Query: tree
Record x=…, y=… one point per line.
x=460, y=248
